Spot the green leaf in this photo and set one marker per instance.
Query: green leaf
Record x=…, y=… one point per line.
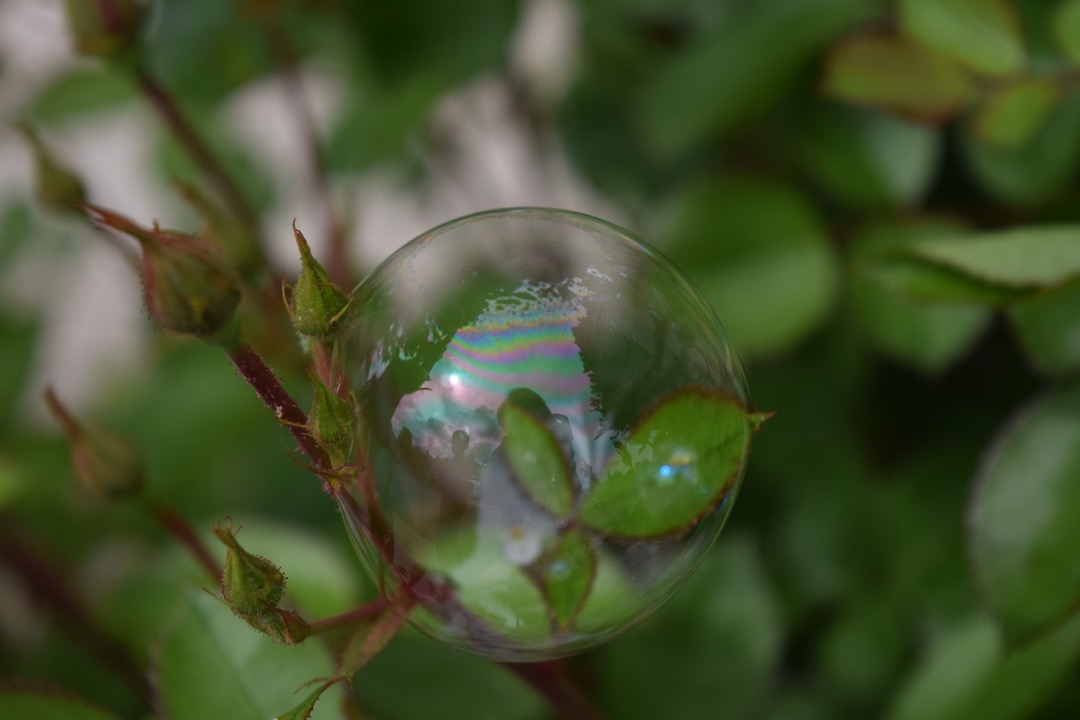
x=1026, y=257
x=968, y=676
x=1037, y=170
x=866, y=158
x=983, y=34
x=28, y=706
x=1010, y=116
x=1048, y=325
x=926, y=282
x=683, y=459
x=306, y=707
x=368, y=641
x=724, y=77
x=567, y=575
x=1066, y=24
x=898, y=74
x=1025, y=518
x=761, y=257
x=210, y=664
x=537, y=462
x=82, y=91
x=18, y=339
x=927, y=335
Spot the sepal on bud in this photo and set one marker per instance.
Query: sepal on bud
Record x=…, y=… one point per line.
x=252, y=587
x=189, y=285
x=107, y=464
x=317, y=303
x=332, y=422
x=57, y=186
x=225, y=232
x=104, y=28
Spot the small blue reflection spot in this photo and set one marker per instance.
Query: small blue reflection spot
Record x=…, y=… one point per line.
x=666, y=471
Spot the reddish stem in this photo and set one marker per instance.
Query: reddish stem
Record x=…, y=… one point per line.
x=257, y=374
x=551, y=681
x=356, y=615
x=178, y=526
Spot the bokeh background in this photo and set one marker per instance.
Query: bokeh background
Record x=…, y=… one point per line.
x=906, y=542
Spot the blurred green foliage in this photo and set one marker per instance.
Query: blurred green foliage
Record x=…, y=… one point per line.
x=882, y=201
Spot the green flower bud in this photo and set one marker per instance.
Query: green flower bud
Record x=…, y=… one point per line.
x=188, y=283
x=57, y=187
x=317, y=303
x=105, y=463
x=332, y=421
x=104, y=28
x=252, y=587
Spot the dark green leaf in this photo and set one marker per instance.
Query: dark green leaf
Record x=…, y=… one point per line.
x=673, y=469
x=1025, y=518
x=536, y=459
x=1048, y=325
x=1067, y=28
x=723, y=77
x=210, y=664
x=28, y=706
x=567, y=574
x=1036, y=171
x=968, y=676
x=17, y=338
x=759, y=254
x=983, y=34
x=927, y=335
x=1010, y=116
x=896, y=73
x=866, y=158
x=80, y=92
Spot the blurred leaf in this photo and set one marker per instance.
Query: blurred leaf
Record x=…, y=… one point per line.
x=18, y=340
x=80, y=92
x=210, y=664
x=1010, y=116
x=1036, y=171
x=866, y=158
x=672, y=470
x=708, y=653
x=724, y=77
x=863, y=652
x=16, y=225
x=1025, y=518
x=568, y=575
x=1066, y=24
x=983, y=34
x=927, y=335
x=759, y=254
x=1048, y=325
x=967, y=676
x=416, y=678
x=28, y=706
x=896, y=73
x=925, y=282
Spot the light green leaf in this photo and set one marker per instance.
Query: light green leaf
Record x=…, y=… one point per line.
x=1037, y=170
x=926, y=282
x=867, y=158
x=983, y=34
x=673, y=469
x=210, y=664
x=1048, y=325
x=567, y=575
x=1025, y=518
x=1010, y=116
x=82, y=91
x=896, y=73
x=1066, y=24
x=761, y=257
x=724, y=77
x=927, y=335
x=968, y=676
x=28, y=706
x=536, y=460
x=1027, y=257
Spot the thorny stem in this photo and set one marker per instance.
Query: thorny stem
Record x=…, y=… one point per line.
x=257, y=374
x=47, y=585
x=201, y=153
x=551, y=680
x=296, y=102
x=178, y=526
x=364, y=612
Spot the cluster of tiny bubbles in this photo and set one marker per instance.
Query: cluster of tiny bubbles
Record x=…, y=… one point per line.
x=552, y=429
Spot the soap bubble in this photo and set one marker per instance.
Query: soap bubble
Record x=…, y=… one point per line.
x=553, y=427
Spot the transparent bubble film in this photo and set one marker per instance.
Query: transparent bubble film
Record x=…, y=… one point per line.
x=553, y=427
